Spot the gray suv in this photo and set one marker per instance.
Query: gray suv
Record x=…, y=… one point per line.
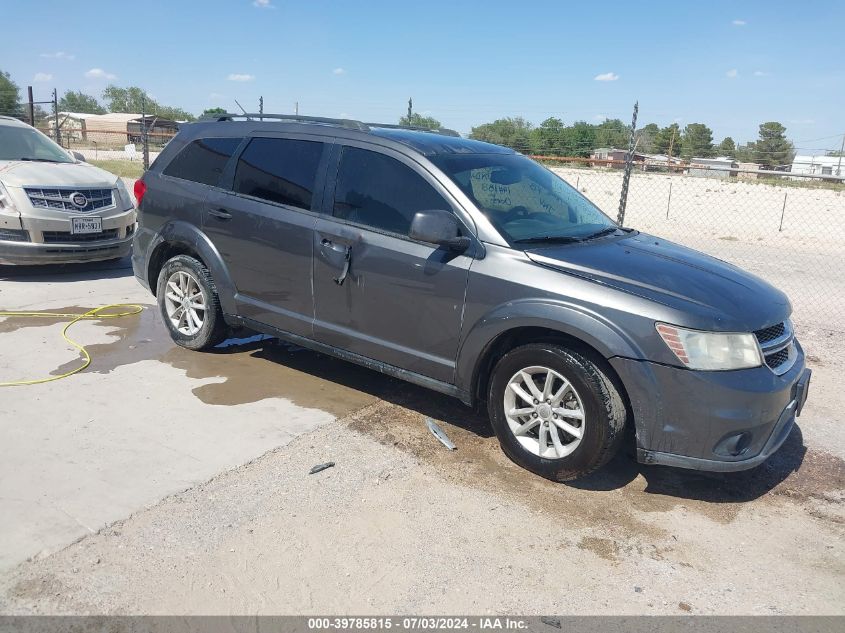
x=472, y=270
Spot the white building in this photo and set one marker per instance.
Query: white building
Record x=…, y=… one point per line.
x=819, y=165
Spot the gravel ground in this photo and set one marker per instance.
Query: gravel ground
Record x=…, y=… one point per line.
x=401, y=525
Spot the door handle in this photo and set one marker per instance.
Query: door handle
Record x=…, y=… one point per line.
x=347, y=261
x=221, y=214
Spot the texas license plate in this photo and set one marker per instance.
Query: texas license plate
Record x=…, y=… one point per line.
x=86, y=225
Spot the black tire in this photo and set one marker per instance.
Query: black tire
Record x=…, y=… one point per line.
x=214, y=329
x=604, y=411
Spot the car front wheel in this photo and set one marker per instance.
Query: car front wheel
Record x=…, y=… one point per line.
x=554, y=411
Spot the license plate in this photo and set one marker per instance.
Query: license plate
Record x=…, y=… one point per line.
x=86, y=225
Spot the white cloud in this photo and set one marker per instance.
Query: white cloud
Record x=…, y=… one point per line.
x=216, y=96
x=240, y=77
x=338, y=71
x=42, y=77
x=739, y=22
x=263, y=4
x=606, y=77
x=733, y=73
x=600, y=117
x=99, y=73
x=59, y=55
x=761, y=73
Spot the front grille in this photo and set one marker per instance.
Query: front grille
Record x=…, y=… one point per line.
x=65, y=237
x=778, y=358
x=14, y=235
x=60, y=199
x=770, y=333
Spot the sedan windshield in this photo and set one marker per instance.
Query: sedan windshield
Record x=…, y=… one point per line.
x=26, y=143
x=527, y=203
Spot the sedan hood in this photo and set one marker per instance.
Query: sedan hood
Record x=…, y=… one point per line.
x=717, y=295
x=17, y=173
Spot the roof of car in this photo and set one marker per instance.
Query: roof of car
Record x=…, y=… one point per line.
x=430, y=143
x=12, y=122
x=426, y=142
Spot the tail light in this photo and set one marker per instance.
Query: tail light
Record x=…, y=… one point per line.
x=140, y=190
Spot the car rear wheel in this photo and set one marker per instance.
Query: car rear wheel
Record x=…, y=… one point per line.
x=554, y=411
x=189, y=305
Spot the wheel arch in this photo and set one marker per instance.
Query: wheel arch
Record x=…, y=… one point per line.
x=180, y=238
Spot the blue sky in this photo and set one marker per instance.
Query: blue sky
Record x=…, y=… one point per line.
x=731, y=65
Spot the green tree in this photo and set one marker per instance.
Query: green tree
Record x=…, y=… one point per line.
x=647, y=138
x=697, y=140
x=209, y=112
x=418, y=120
x=773, y=148
x=745, y=153
x=548, y=139
x=10, y=96
x=613, y=133
x=579, y=139
x=133, y=99
x=513, y=132
x=668, y=137
x=727, y=147
x=80, y=102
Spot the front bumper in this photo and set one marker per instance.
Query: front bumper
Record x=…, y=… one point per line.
x=715, y=421
x=29, y=253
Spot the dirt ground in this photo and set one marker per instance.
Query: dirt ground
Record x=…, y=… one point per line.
x=400, y=524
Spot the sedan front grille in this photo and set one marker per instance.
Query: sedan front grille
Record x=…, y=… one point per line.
x=63, y=199
x=65, y=237
x=776, y=360
x=771, y=333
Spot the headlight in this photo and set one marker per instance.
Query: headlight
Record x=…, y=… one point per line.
x=124, y=194
x=712, y=351
x=5, y=199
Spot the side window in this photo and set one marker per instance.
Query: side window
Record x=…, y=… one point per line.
x=279, y=170
x=381, y=192
x=203, y=160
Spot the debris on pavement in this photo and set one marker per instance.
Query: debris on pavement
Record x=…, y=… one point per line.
x=439, y=434
x=320, y=467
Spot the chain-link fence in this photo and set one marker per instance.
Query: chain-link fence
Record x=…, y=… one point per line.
x=787, y=229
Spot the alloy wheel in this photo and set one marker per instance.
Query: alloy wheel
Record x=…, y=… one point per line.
x=184, y=303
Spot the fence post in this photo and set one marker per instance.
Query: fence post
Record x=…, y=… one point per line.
x=629, y=164
x=31, y=106
x=782, y=212
x=56, y=116
x=145, y=147
x=669, y=201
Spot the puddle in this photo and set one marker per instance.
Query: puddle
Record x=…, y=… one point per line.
x=252, y=369
x=12, y=324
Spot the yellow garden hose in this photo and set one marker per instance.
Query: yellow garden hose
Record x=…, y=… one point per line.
x=96, y=313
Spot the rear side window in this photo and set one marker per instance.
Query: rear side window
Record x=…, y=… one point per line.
x=381, y=192
x=279, y=170
x=203, y=160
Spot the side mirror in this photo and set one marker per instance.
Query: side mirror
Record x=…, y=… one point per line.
x=78, y=156
x=439, y=227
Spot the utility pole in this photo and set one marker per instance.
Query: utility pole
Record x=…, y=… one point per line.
x=56, y=116
x=31, y=106
x=671, y=145
x=410, y=109
x=145, y=146
x=838, y=166
x=296, y=108
x=261, y=106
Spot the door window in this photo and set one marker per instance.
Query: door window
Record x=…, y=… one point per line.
x=279, y=170
x=379, y=191
x=203, y=160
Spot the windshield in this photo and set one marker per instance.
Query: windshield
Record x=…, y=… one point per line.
x=26, y=143
x=524, y=201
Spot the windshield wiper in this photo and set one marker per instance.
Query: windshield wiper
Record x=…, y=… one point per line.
x=540, y=239
x=40, y=160
x=605, y=231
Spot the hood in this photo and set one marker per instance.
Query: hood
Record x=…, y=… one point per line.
x=17, y=173
x=715, y=294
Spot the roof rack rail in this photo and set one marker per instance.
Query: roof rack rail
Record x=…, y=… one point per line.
x=253, y=116
x=393, y=126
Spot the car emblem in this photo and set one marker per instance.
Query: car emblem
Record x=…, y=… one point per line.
x=78, y=200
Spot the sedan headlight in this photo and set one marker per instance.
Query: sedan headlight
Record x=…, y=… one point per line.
x=714, y=351
x=123, y=193
x=5, y=199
